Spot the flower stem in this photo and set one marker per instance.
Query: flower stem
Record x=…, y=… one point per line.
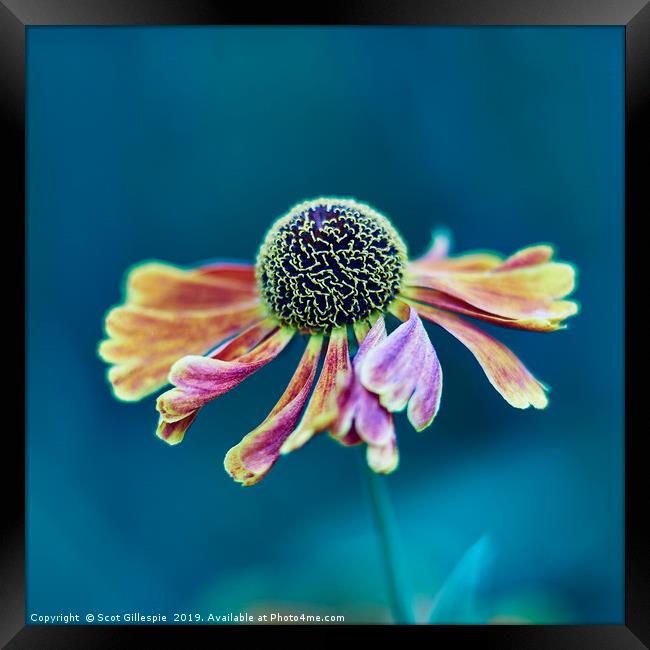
x=400, y=595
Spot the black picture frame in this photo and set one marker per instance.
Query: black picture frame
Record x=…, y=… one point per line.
x=17, y=15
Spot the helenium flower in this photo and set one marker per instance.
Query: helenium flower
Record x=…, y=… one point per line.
x=328, y=268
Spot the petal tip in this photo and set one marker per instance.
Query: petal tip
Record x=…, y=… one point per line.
x=124, y=396
x=235, y=468
x=101, y=350
x=382, y=459
x=171, y=441
x=421, y=426
x=385, y=469
x=127, y=392
x=172, y=433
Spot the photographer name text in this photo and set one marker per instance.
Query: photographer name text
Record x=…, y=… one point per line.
x=71, y=618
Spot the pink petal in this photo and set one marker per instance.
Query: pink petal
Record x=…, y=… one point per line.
x=250, y=460
x=372, y=421
x=201, y=379
x=404, y=369
x=392, y=367
x=246, y=341
x=174, y=432
x=425, y=402
x=349, y=439
x=358, y=407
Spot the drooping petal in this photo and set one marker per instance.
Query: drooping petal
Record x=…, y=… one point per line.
x=383, y=459
x=198, y=380
x=322, y=409
x=391, y=368
x=359, y=410
x=348, y=395
x=245, y=341
x=143, y=343
x=346, y=407
x=505, y=371
x=250, y=460
x=374, y=336
x=404, y=369
x=373, y=423
x=444, y=301
x=169, y=288
x=522, y=292
x=425, y=401
x=174, y=432
x=350, y=439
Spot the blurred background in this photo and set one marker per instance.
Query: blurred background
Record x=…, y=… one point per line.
x=184, y=144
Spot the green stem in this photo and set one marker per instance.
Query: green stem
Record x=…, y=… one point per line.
x=400, y=595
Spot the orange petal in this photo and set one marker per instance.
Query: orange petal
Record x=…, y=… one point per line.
x=505, y=371
x=143, y=343
x=163, y=286
x=519, y=293
x=250, y=460
x=323, y=407
x=444, y=301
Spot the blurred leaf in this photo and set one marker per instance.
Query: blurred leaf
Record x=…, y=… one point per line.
x=456, y=601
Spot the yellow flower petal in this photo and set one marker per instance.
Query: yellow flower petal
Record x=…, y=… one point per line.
x=143, y=343
x=505, y=371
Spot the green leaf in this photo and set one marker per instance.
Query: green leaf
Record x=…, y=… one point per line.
x=456, y=601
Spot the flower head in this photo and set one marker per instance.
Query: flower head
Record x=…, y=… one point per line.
x=333, y=270
x=327, y=264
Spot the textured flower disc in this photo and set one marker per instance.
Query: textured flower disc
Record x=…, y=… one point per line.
x=329, y=262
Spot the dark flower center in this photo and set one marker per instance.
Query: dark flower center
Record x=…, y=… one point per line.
x=329, y=262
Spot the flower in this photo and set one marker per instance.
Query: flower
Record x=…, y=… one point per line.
x=328, y=266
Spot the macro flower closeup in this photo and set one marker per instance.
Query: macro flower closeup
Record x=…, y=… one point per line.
x=337, y=273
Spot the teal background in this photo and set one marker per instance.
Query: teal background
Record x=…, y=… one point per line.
x=184, y=144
